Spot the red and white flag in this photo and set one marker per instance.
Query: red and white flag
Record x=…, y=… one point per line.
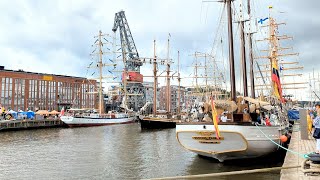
x=62, y=111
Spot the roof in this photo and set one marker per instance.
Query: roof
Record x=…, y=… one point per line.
x=27, y=72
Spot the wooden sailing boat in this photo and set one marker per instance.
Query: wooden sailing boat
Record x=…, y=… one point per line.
x=242, y=137
x=89, y=117
x=158, y=120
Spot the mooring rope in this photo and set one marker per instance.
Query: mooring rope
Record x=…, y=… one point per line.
x=226, y=173
x=279, y=145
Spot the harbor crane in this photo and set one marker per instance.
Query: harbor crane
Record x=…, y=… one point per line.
x=131, y=77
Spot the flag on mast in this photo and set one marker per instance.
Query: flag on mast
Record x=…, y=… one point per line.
x=277, y=89
x=215, y=118
x=62, y=111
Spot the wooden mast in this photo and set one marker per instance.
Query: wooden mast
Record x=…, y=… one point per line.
x=274, y=48
x=243, y=54
x=179, y=93
x=274, y=60
x=251, y=53
x=100, y=72
x=274, y=55
x=155, y=81
x=168, y=80
x=205, y=72
x=231, y=52
x=196, y=69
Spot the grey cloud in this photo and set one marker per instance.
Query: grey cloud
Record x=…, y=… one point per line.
x=43, y=27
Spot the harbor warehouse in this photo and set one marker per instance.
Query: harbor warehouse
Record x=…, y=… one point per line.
x=29, y=90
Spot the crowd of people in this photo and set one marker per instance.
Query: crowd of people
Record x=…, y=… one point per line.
x=9, y=114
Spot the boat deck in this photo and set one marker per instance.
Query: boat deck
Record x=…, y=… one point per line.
x=220, y=123
x=302, y=147
x=162, y=120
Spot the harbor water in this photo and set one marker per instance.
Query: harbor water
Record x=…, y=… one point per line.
x=111, y=152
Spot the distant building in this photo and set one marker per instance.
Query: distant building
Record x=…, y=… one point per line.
x=149, y=92
x=174, y=95
x=30, y=90
x=114, y=94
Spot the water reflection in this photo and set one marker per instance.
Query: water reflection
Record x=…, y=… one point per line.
x=204, y=165
x=107, y=152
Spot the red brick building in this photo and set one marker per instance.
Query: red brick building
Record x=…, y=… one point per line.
x=22, y=90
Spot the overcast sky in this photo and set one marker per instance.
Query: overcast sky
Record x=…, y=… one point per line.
x=55, y=36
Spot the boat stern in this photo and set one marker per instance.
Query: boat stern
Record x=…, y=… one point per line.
x=205, y=142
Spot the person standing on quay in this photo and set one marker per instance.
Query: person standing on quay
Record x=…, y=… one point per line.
x=316, y=123
x=309, y=121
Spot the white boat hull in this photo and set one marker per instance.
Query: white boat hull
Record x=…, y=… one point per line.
x=238, y=142
x=87, y=121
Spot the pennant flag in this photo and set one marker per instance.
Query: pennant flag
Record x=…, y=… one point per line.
x=215, y=118
x=262, y=20
x=281, y=68
x=276, y=81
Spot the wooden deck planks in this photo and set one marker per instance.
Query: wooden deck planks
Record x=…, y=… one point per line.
x=302, y=147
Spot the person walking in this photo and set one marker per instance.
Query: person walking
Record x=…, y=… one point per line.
x=316, y=133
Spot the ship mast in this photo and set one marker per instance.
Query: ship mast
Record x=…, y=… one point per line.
x=168, y=80
x=196, y=69
x=274, y=56
x=155, y=81
x=243, y=53
x=155, y=60
x=100, y=71
x=231, y=51
x=250, y=52
x=212, y=78
x=205, y=72
x=179, y=93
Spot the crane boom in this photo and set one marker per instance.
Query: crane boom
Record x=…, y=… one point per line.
x=127, y=43
x=134, y=91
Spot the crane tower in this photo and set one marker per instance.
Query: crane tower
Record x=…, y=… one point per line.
x=131, y=77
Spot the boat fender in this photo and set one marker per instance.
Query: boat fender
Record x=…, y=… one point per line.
x=283, y=138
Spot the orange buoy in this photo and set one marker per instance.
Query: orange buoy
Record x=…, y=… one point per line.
x=283, y=138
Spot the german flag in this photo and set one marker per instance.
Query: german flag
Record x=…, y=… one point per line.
x=276, y=81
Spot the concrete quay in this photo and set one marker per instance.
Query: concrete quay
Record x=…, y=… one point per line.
x=29, y=124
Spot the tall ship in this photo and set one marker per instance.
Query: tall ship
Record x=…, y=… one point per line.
x=150, y=117
x=92, y=117
x=241, y=126
x=131, y=81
